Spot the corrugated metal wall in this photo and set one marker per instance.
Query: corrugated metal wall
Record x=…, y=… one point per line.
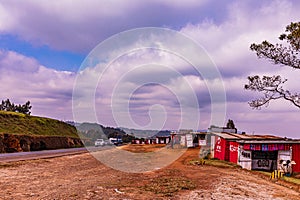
x=220, y=148
x=244, y=158
x=227, y=153
x=233, y=152
x=225, y=150
x=296, y=157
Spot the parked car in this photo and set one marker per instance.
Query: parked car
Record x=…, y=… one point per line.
x=108, y=142
x=99, y=142
x=116, y=141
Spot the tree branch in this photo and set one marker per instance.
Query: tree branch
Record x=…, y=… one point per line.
x=271, y=87
x=282, y=54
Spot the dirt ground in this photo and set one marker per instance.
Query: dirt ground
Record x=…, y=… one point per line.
x=84, y=177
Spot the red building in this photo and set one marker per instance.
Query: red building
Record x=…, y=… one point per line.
x=261, y=152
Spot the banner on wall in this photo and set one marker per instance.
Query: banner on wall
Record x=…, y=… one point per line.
x=264, y=160
x=202, y=142
x=189, y=140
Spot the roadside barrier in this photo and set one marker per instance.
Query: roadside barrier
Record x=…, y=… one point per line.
x=276, y=174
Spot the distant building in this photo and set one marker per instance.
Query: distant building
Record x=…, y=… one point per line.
x=221, y=129
x=188, y=138
x=163, y=137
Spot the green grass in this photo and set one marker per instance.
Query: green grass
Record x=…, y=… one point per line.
x=292, y=180
x=18, y=123
x=215, y=162
x=285, y=178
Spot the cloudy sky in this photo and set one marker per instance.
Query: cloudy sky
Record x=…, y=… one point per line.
x=98, y=61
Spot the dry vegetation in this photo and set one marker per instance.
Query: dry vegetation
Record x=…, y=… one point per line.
x=84, y=177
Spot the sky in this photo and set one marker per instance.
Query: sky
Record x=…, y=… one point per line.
x=99, y=61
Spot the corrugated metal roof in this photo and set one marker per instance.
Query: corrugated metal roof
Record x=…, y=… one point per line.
x=226, y=135
x=259, y=137
x=269, y=141
x=244, y=138
x=198, y=132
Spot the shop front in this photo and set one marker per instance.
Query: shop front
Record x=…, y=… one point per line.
x=264, y=160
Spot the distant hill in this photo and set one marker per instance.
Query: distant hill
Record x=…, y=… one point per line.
x=18, y=123
x=93, y=131
x=140, y=133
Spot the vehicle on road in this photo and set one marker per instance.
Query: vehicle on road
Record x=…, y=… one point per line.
x=116, y=141
x=99, y=142
x=108, y=142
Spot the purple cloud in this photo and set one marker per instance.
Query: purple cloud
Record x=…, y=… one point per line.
x=49, y=91
x=80, y=27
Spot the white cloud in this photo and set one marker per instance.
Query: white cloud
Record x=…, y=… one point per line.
x=229, y=43
x=140, y=79
x=280, y=118
x=79, y=27
x=23, y=79
x=14, y=62
x=180, y=4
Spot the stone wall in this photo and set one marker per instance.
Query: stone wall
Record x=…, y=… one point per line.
x=18, y=143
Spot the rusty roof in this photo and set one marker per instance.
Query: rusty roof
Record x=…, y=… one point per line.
x=244, y=137
x=288, y=141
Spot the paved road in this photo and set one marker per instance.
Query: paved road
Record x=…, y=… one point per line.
x=9, y=157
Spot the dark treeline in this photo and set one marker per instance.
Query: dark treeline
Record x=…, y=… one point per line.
x=6, y=105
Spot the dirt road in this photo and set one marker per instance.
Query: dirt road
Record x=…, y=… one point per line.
x=19, y=156
x=84, y=177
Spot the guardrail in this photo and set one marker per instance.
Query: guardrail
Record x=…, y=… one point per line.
x=276, y=174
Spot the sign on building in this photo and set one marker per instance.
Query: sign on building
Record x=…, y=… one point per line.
x=264, y=160
x=189, y=140
x=182, y=140
x=202, y=142
x=245, y=159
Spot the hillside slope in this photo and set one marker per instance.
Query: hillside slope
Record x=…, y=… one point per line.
x=17, y=123
x=92, y=131
x=20, y=132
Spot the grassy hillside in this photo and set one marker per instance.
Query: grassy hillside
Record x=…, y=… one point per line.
x=17, y=123
x=140, y=133
x=95, y=131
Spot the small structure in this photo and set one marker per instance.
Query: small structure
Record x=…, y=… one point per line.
x=218, y=129
x=260, y=152
x=151, y=140
x=189, y=138
x=199, y=138
x=163, y=137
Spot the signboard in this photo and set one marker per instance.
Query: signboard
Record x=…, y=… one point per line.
x=233, y=152
x=244, y=158
x=245, y=155
x=182, y=140
x=189, y=140
x=202, y=142
x=264, y=164
x=264, y=160
x=219, y=150
x=167, y=140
